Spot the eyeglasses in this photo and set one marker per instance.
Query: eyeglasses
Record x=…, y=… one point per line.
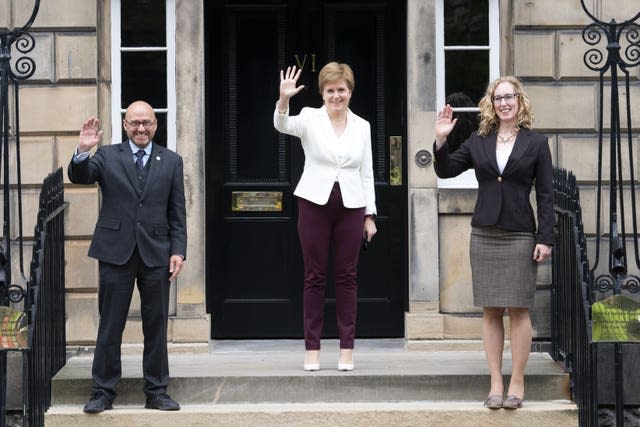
x=508, y=97
x=136, y=124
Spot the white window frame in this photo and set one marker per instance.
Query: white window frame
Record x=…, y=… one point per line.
x=468, y=178
x=116, y=71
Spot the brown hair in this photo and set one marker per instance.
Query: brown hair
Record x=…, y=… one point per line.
x=334, y=72
x=489, y=121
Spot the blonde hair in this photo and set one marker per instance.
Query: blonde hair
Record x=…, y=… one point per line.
x=335, y=72
x=489, y=121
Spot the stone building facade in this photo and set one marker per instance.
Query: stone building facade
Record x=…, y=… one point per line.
x=539, y=41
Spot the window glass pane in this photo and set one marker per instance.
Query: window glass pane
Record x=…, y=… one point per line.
x=144, y=77
x=466, y=22
x=468, y=121
x=143, y=23
x=161, y=134
x=160, y=137
x=467, y=72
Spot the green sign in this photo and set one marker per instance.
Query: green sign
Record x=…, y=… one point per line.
x=14, y=331
x=615, y=319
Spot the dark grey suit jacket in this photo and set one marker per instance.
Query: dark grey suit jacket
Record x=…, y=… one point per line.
x=153, y=219
x=503, y=198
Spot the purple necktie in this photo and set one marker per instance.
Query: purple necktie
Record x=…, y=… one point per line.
x=140, y=154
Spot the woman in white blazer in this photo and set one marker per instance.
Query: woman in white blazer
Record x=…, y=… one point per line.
x=336, y=200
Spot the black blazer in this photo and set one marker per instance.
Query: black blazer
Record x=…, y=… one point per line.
x=503, y=199
x=153, y=219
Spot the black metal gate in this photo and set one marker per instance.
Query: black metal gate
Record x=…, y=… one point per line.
x=575, y=285
x=32, y=311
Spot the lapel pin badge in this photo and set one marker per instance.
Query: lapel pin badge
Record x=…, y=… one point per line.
x=157, y=157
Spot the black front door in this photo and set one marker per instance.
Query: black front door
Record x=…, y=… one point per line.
x=254, y=263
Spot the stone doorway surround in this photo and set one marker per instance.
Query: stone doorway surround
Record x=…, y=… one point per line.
x=189, y=322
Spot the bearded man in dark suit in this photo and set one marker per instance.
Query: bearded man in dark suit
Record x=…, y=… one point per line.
x=140, y=236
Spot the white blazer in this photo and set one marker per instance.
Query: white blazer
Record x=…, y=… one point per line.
x=329, y=158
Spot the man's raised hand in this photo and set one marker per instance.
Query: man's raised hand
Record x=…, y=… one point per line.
x=90, y=135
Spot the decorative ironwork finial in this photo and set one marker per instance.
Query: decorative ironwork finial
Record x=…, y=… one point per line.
x=24, y=43
x=595, y=59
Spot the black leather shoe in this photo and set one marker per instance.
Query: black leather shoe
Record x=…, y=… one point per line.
x=162, y=402
x=98, y=403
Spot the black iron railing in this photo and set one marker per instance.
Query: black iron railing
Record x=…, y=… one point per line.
x=571, y=299
x=47, y=353
x=613, y=53
x=44, y=306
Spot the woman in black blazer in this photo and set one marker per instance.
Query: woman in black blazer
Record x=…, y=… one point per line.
x=506, y=246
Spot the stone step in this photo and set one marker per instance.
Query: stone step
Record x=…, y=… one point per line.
x=237, y=372
x=458, y=414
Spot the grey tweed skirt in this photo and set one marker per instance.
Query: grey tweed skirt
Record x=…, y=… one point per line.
x=502, y=267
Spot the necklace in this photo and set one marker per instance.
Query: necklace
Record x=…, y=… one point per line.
x=506, y=140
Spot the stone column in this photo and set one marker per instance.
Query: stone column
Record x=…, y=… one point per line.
x=191, y=323
x=423, y=319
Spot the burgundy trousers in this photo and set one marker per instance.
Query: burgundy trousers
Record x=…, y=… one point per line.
x=321, y=227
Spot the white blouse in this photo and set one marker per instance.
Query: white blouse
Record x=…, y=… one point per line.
x=502, y=157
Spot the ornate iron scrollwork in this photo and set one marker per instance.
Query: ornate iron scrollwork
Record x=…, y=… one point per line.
x=605, y=283
x=24, y=66
x=16, y=293
x=593, y=58
x=628, y=57
x=632, y=51
x=631, y=283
